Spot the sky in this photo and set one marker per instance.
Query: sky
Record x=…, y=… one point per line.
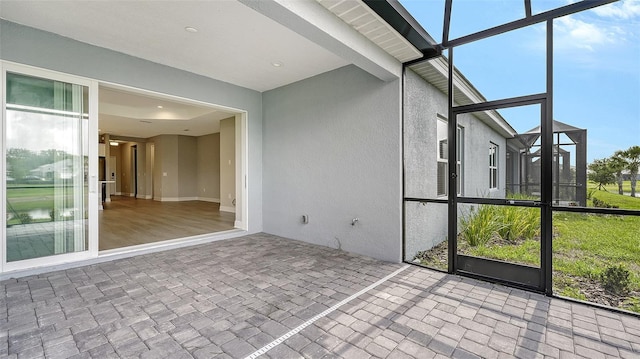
x=596, y=63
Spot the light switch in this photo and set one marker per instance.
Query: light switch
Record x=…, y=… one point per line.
x=164, y=174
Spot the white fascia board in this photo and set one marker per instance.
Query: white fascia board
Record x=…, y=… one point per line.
x=311, y=20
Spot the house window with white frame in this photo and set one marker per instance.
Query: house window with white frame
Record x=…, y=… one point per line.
x=459, y=160
x=493, y=165
x=443, y=157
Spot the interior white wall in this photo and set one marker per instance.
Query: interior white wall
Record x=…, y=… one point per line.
x=29, y=46
x=332, y=152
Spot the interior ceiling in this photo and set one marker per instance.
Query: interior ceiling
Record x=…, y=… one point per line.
x=131, y=114
x=233, y=43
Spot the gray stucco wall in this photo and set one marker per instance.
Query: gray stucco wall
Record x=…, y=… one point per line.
x=426, y=225
x=332, y=152
x=33, y=47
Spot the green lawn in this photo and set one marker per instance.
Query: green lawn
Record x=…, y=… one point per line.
x=584, y=247
x=626, y=186
x=22, y=199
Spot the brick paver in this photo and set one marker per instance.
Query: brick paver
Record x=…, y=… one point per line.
x=229, y=298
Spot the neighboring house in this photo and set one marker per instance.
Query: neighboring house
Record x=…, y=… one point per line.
x=319, y=91
x=626, y=176
x=62, y=170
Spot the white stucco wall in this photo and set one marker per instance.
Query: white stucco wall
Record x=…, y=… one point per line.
x=332, y=152
x=29, y=46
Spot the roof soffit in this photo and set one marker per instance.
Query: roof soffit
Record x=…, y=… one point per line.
x=368, y=23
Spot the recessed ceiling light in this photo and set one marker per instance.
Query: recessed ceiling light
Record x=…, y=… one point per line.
x=159, y=106
x=190, y=29
x=277, y=64
x=113, y=143
x=186, y=130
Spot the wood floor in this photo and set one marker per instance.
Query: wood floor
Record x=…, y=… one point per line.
x=127, y=221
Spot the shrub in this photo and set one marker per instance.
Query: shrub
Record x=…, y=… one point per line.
x=518, y=223
x=25, y=218
x=615, y=279
x=601, y=204
x=479, y=226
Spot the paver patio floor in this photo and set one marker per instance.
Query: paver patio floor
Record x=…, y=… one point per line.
x=230, y=299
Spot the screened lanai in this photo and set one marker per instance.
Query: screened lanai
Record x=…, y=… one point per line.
x=528, y=62
x=569, y=164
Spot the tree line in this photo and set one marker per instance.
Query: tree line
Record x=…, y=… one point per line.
x=21, y=161
x=610, y=170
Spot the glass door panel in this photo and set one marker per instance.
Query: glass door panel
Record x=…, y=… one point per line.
x=46, y=147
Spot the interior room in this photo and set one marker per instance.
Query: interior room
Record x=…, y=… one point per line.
x=166, y=168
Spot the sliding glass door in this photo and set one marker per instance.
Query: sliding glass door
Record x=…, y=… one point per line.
x=49, y=169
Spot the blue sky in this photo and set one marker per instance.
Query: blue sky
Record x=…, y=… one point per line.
x=596, y=63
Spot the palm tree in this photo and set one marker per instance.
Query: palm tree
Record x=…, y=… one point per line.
x=632, y=155
x=618, y=163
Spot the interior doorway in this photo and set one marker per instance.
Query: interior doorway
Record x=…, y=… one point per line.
x=170, y=160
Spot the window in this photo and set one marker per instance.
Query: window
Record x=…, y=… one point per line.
x=493, y=165
x=459, y=159
x=442, y=157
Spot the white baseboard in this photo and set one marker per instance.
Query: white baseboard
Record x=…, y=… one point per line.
x=148, y=196
x=227, y=209
x=118, y=193
x=132, y=194
x=141, y=196
x=108, y=199
x=203, y=199
x=178, y=199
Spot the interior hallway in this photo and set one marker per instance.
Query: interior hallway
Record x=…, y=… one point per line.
x=127, y=221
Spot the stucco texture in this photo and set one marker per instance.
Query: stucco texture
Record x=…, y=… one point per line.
x=332, y=152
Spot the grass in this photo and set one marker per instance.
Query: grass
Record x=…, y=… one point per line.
x=625, y=201
x=479, y=225
x=23, y=199
x=584, y=245
x=626, y=186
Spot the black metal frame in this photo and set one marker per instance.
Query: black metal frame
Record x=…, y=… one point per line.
x=529, y=19
x=533, y=278
x=462, y=264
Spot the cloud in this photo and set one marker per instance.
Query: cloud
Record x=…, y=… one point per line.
x=574, y=33
x=625, y=9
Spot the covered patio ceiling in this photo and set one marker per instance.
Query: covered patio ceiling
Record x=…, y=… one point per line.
x=259, y=45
